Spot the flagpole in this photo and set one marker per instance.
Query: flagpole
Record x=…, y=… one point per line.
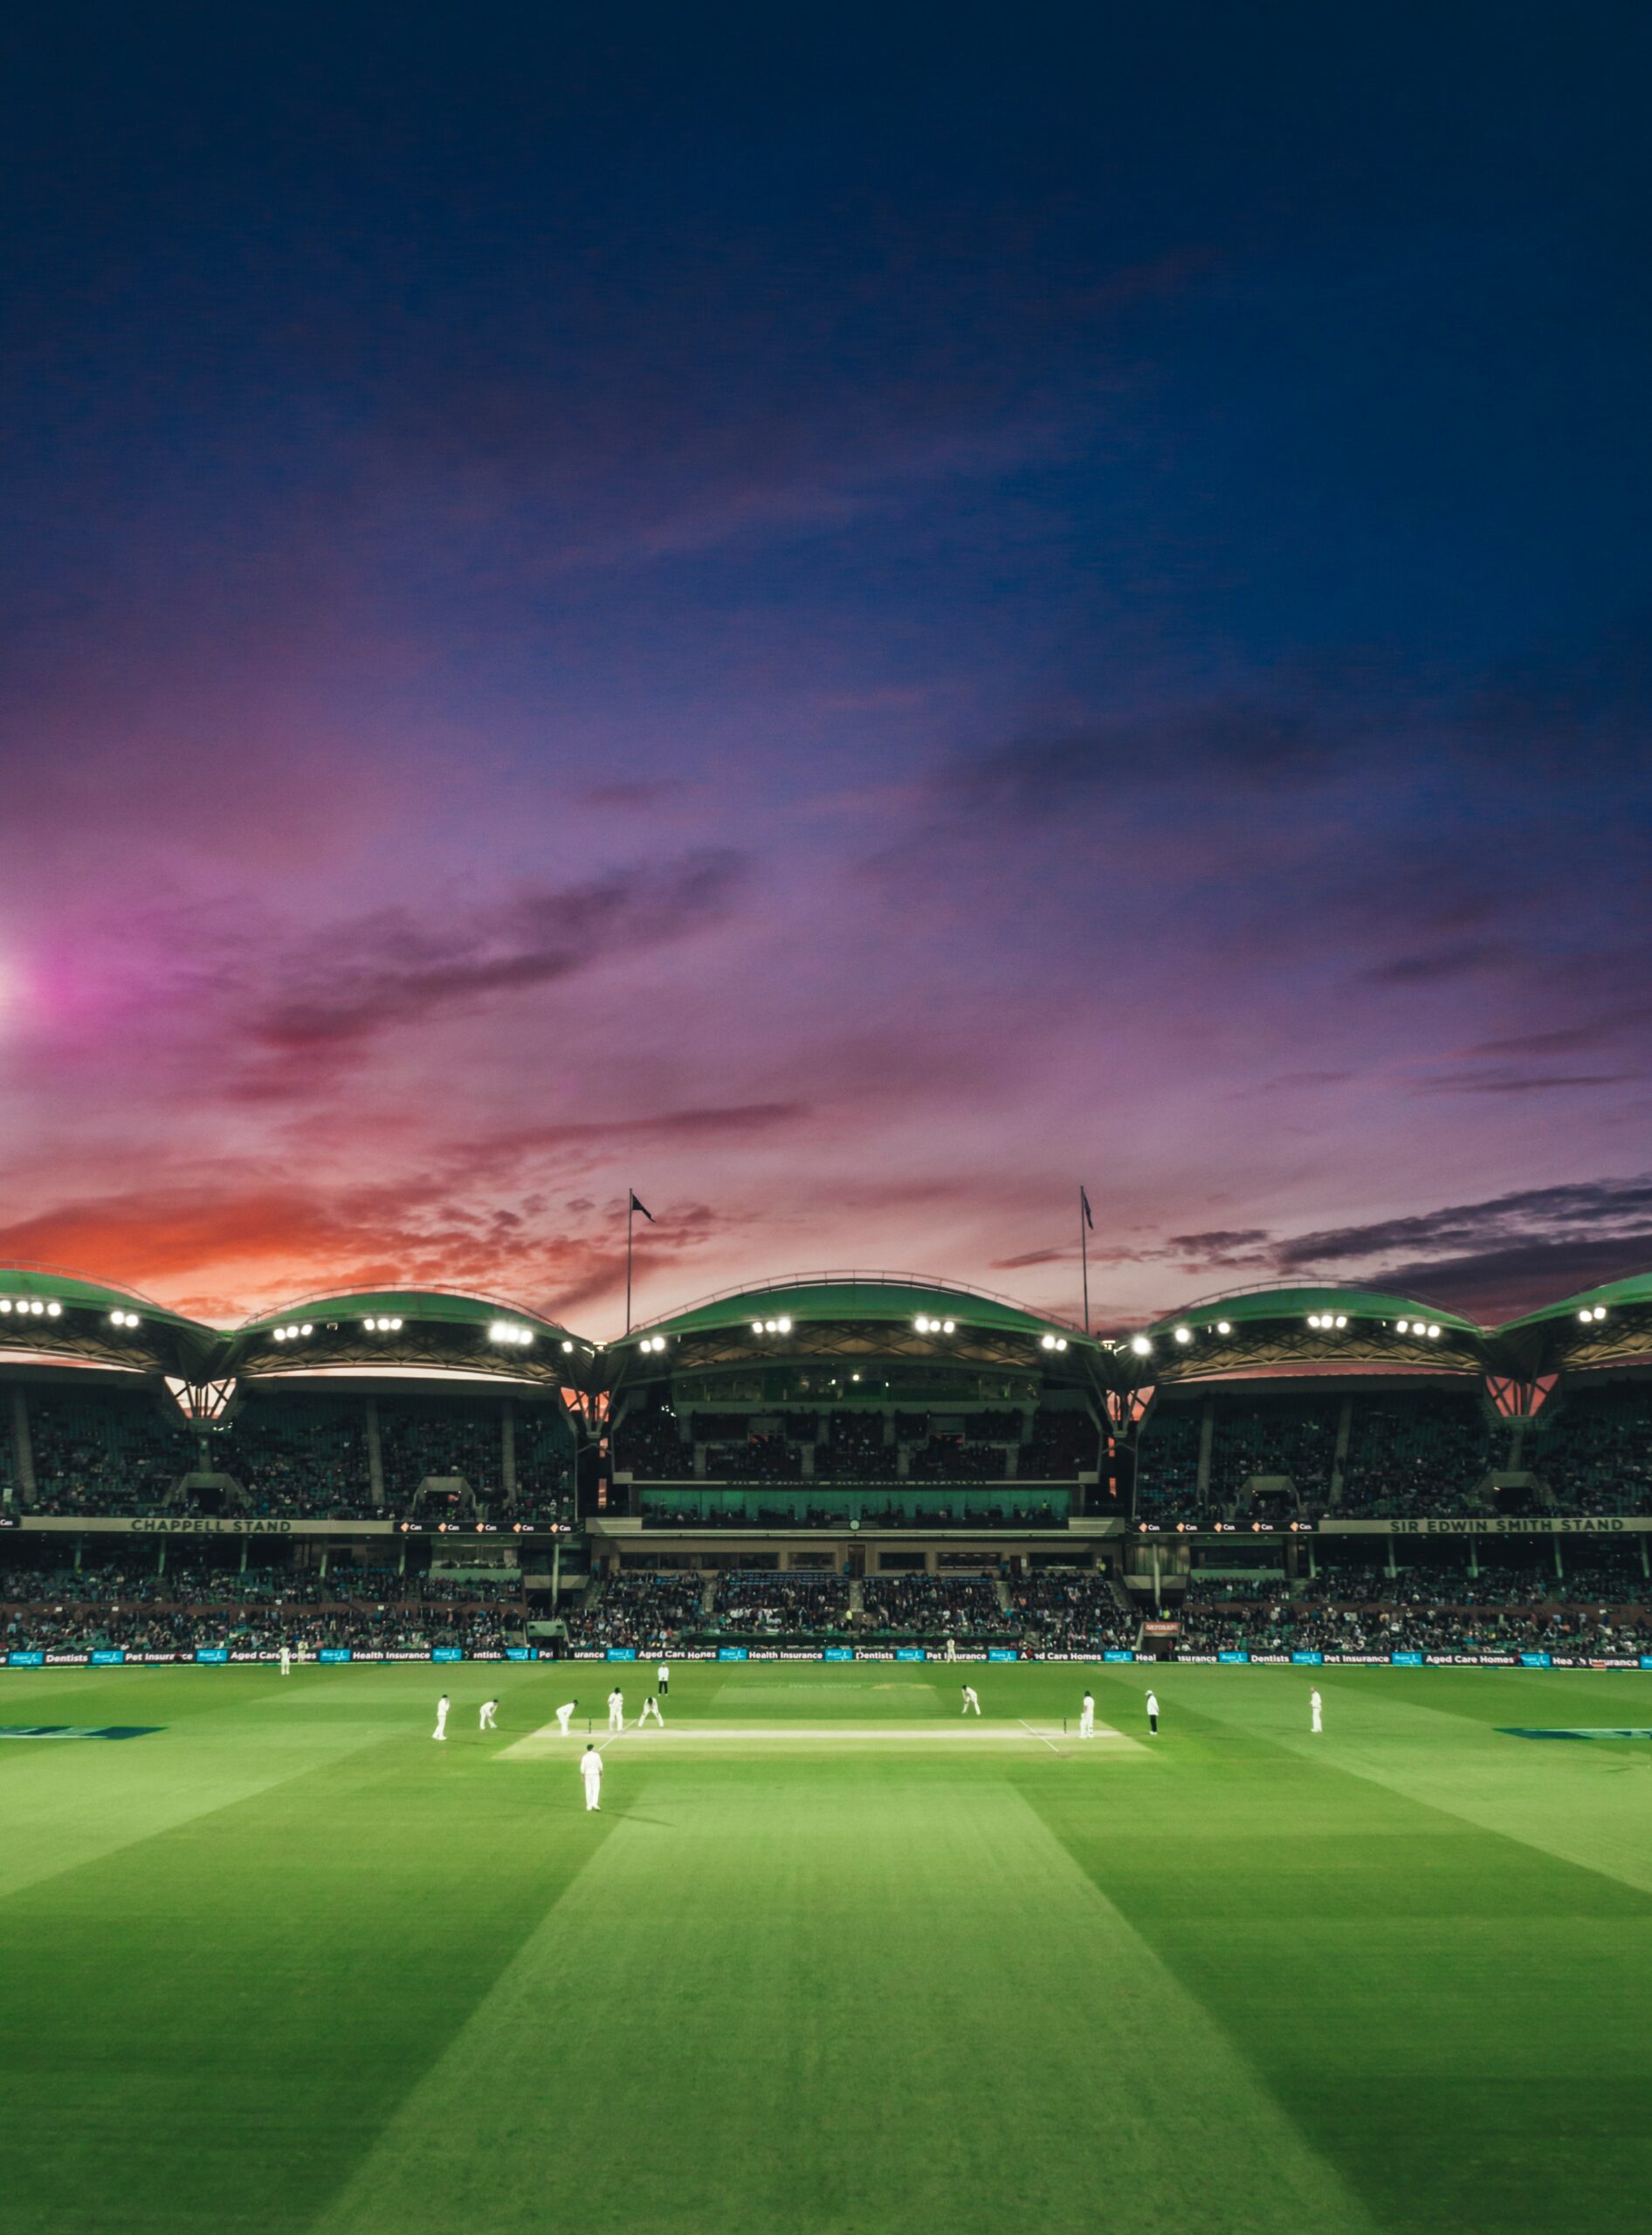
x=1083, y=1255
x=630, y=1202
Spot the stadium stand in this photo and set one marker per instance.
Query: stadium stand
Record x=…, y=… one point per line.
x=1415, y=1453
x=1596, y=1455
x=104, y=1451
x=1068, y=1614
x=1167, y=1464
x=779, y=1606
x=934, y=1606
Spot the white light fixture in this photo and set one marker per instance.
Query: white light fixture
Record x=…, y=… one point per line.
x=1224, y=1327
x=783, y=1326
x=1046, y=1342
x=949, y=1326
x=568, y=1348
x=757, y=1326
x=1402, y=1326
x=1140, y=1345
x=1061, y=1342
x=1341, y=1319
x=1434, y=1334
x=1184, y=1334
x=54, y=1311
x=1599, y=1312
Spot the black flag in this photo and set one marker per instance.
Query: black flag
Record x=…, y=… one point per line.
x=637, y=1205
x=1083, y=1201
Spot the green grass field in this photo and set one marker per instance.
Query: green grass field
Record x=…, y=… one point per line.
x=828, y=1960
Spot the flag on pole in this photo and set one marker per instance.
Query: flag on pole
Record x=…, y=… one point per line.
x=638, y=1204
x=1083, y=1201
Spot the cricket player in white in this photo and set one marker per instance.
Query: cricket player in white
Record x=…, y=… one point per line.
x=1087, y=1717
x=565, y=1715
x=440, y=1731
x=490, y=1709
x=616, y=1709
x=1152, y=1712
x=664, y=1680
x=1315, y=1703
x=591, y=1771
x=650, y=1707
x=287, y=1661
x=972, y=1705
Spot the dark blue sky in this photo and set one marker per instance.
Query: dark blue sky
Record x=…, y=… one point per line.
x=847, y=621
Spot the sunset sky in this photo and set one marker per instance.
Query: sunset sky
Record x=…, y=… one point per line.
x=850, y=619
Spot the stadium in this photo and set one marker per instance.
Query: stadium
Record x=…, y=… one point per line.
x=870, y=1930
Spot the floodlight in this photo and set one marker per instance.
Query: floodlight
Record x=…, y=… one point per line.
x=1402, y=1326
x=1184, y=1334
x=1047, y=1342
x=1140, y=1345
x=1342, y=1319
x=307, y=1328
x=5, y=1303
x=757, y=1326
x=1434, y=1334
x=1313, y=1319
x=1586, y=1313
x=280, y=1334
x=948, y=1326
x=1061, y=1342
x=922, y=1324
x=54, y=1311
x=783, y=1326
x=1599, y=1312
x=1224, y=1327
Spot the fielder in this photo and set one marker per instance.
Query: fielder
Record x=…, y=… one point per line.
x=564, y=1716
x=650, y=1709
x=287, y=1661
x=1087, y=1717
x=664, y=1679
x=490, y=1709
x=591, y=1771
x=972, y=1703
x=616, y=1709
x=1152, y=1713
x=1314, y=1705
x=440, y=1731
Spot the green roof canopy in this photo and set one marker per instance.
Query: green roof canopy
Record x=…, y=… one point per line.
x=1626, y=1295
x=867, y=1297
x=445, y=1306
x=75, y=1293
x=1296, y=1303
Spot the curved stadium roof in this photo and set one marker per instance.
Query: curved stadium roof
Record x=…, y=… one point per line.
x=447, y=1307
x=1297, y=1299
x=48, y=1284
x=1623, y=1294
x=864, y=1297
